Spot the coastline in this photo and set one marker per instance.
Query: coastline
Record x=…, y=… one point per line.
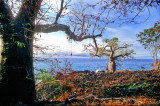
x=81, y=64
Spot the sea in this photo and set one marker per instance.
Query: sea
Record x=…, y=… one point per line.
x=90, y=64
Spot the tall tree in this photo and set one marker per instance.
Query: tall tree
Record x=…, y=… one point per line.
x=150, y=39
x=17, y=75
x=113, y=50
x=18, y=29
x=17, y=81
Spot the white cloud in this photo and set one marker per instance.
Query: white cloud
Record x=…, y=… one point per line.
x=125, y=34
x=59, y=40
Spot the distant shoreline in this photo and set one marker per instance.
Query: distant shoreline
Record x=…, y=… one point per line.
x=90, y=58
x=92, y=64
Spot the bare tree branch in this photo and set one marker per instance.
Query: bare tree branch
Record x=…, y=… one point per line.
x=65, y=28
x=122, y=47
x=60, y=12
x=123, y=55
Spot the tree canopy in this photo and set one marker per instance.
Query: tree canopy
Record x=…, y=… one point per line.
x=150, y=39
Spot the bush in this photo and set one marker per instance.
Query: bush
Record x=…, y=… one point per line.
x=45, y=77
x=48, y=89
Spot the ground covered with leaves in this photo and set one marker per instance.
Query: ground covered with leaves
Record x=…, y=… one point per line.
x=90, y=88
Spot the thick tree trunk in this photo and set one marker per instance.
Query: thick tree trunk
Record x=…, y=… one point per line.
x=1, y=50
x=111, y=65
x=18, y=80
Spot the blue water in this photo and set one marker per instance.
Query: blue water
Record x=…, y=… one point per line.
x=92, y=64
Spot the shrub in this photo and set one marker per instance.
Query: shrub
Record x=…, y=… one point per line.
x=45, y=77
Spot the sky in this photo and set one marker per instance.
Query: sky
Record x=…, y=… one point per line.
x=125, y=32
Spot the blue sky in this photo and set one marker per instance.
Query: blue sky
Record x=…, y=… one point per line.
x=126, y=33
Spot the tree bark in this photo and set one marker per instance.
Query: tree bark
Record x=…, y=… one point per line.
x=1, y=50
x=111, y=65
x=18, y=81
x=156, y=65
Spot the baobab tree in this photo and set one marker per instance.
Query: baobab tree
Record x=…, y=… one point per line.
x=17, y=82
x=19, y=23
x=113, y=50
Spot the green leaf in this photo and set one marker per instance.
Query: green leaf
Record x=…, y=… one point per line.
x=20, y=44
x=28, y=24
x=131, y=86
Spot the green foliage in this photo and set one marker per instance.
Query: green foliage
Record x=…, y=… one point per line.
x=43, y=75
x=49, y=88
x=28, y=24
x=113, y=46
x=150, y=39
x=133, y=85
x=118, y=86
x=1, y=15
x=130, y=87
x=57, y=90
x=113, y=50
x=113, y=42
x=12, y=39
x=139, y=85
x=20, y=44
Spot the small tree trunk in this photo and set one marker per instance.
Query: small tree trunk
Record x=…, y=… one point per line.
x=156, y=65
x=106, y=70
x=111, y=65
